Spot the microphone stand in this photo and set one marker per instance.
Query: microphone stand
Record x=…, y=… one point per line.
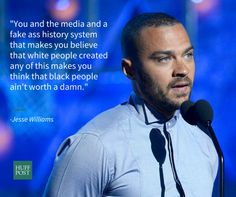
x=220, y=155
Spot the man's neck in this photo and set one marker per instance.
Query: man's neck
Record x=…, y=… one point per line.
x=156, y=109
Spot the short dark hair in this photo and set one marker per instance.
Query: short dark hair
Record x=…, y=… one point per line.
x=132, y=29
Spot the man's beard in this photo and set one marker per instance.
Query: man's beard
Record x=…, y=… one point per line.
x=157, y=97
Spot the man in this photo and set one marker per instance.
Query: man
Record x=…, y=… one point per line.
x=142, y=148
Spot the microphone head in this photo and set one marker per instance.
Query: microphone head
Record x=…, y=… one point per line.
x=203, y=112
x=187, y=111
x=199, y=113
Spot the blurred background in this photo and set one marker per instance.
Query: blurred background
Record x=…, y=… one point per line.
x=211, y=25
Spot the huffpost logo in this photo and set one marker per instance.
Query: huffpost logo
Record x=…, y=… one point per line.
x=22, y=170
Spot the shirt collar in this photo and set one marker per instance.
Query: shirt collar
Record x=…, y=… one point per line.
x=149, y=115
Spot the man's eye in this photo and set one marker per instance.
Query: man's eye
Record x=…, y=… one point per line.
x=164, y=59
x=189, y=55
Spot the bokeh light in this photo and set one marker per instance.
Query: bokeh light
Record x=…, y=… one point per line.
x=6, y=139
x=64, y=10
x=205, y=6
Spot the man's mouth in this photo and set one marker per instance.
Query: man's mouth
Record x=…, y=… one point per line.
x=181, y=87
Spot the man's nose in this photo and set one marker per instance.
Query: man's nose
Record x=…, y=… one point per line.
x=180, y=68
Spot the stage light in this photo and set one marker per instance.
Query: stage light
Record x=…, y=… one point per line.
x=64, y=10
x=197, y=1
x=205, y=6
x=62, y=5
x=6, y=139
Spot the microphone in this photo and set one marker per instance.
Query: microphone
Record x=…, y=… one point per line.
x=187, y=111
x=204, y=112
x=201, y=114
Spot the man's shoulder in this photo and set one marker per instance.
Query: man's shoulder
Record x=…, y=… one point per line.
x=111, y=120
x=104, y=130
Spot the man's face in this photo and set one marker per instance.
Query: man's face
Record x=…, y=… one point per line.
x=165, y=67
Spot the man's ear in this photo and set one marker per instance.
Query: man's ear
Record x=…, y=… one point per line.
x=128, y=68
